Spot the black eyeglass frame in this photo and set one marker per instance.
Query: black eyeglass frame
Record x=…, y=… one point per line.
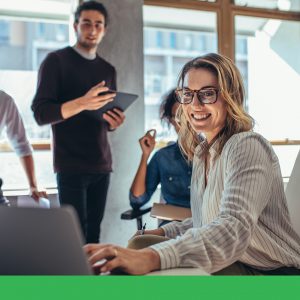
x=178, y=98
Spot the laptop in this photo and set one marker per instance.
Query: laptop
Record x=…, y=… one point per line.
x=39, y=241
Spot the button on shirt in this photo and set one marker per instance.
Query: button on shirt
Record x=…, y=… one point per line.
x=11, y=120
x=168, y=168
x=241, y=215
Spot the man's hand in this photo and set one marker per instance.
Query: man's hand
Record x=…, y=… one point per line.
x=114, y=118
x=92, y=100
x=35, y=193
x=130, y=261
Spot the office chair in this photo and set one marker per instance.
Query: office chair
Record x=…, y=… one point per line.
x=137, y=214
x=162, y=211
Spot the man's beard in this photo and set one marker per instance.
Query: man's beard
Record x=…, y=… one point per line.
x=87, y=45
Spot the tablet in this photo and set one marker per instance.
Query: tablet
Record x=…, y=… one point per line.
x=121, y=101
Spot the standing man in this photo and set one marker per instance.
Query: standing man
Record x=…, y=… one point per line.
x=11, y=120
x=71, y=81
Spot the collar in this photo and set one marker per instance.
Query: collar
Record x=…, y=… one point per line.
x=203, y=146
x=84, y=54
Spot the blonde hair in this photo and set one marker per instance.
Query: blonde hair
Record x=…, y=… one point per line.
x=231, y=89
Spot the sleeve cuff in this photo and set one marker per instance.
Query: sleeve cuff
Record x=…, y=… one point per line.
x=22, y=149
x=139, y=201
x=170, y=230
x=169, y=257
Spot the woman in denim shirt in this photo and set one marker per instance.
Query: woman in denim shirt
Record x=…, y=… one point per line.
x=167, y=166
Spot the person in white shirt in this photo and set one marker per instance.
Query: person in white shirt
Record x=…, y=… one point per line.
x=11, y=121
x=240, y=222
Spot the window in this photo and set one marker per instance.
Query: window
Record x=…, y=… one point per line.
x=175, y=45
x=272, y=60
x=202, y=43
x=159, y=39
x=4, y=32
x=262, y=36
x=27, y=42
x=188, y=41
x=173, y=40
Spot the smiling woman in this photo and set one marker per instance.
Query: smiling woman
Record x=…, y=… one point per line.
x=240, y=224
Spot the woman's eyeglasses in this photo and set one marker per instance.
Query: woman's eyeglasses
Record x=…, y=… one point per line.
x=205, y=96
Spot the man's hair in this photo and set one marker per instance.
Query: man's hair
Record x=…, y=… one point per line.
x=91, y=5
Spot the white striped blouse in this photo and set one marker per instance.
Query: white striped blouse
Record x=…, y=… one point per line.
x=241, y=215
x=11, y=120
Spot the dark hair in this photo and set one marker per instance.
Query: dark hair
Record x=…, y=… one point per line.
x=91, y=5
x=165, y=109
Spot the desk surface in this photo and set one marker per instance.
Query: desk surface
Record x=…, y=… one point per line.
x=180, y=272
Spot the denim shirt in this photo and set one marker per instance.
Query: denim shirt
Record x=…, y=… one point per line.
x=170, y=169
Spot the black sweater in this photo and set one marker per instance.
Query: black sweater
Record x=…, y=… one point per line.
x=80, y=143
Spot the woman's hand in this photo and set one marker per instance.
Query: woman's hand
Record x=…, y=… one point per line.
x=136, y=262
x=147, y=142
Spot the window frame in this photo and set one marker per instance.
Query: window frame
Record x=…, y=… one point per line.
x=226, y=11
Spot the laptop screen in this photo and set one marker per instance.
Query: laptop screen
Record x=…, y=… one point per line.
x=38, y=241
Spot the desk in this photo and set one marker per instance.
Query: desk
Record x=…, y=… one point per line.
x=180, y=272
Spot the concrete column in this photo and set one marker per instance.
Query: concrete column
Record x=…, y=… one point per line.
x=123, y=47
